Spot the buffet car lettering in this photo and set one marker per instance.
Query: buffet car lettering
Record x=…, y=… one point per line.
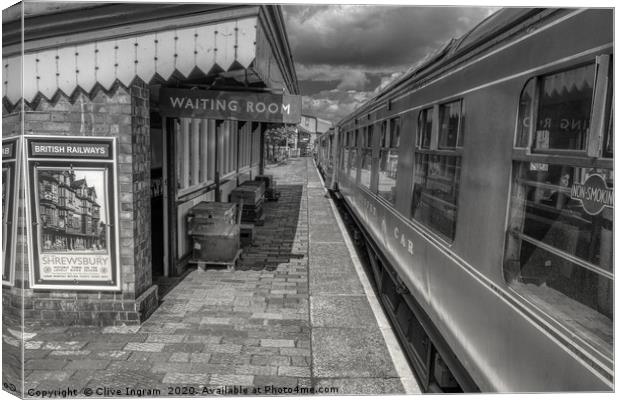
x=369, y=207
x=403, y=240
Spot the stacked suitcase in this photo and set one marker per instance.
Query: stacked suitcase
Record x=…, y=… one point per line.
x=270, y=187
x=252, y=195
x=215, y=233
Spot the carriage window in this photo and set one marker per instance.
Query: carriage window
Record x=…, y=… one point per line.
x=449, y=120
x=425, y=128
x=388, y=161
x=353, y=152
x=383, y=134
x=564, y=110
x=560, y=244
x=437, y=172
x=366, y=158
x=608, y=151
x=395, y=132
x=526, y=102
x=435, y=191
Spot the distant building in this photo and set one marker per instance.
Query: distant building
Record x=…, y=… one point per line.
x=308, y=129
x=69, y=213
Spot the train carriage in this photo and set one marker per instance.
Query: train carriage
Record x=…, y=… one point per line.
x=324, y=156
x=482, y=181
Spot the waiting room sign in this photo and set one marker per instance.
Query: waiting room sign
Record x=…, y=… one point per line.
x=241, y=106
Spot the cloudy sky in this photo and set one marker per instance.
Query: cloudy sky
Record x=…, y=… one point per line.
x=344, y=53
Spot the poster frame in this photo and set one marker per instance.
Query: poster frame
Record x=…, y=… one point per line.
x=13, y=204
x=109, y=163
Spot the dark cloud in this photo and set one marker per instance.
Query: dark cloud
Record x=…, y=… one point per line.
x=311, y=86
x=373, y=36
x=333, y=104
x=344, y=54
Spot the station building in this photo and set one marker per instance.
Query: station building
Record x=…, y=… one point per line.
x=116, y=120
x=308, y=130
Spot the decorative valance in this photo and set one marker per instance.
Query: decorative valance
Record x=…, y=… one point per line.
x=188, y=51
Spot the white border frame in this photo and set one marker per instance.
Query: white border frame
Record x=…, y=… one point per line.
x=11, y=247
x=115, y=221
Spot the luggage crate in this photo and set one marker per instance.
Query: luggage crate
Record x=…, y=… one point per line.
x=251, y=195
x=251, y=192
x=271, y=193
x=215, y=231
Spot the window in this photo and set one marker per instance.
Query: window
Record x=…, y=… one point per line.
x=353, y=154
x=564, y=108
x=560, y=254
x=437, y=171
x=226, y=147
x=382, y=142
x=245, y=137
x=450, y=117
x=256, y=132
x=559, y=246
x=388, y=159
x=395, y=132
x=232, y=139
x=425, y=127
x=526, y=102
x=353, y=163
x=345, y=159
x=562, y=117
x=195, y=153
x=366, y=158
x=609, y=138
x=435, y=192
x=369, y=133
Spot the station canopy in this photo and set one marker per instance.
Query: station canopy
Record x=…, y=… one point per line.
x=70, y=49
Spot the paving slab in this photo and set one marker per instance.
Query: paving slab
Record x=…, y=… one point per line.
x=335, y=283
x=341, y=311
x=350, y=352
x=325, y=234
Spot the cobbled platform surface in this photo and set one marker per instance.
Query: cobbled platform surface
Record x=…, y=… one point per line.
x=291, y=317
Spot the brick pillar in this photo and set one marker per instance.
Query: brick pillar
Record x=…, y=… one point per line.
x=141, y=186
x=122, y=113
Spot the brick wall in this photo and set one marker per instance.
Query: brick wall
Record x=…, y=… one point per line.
x=122, y=113
x=141, y=164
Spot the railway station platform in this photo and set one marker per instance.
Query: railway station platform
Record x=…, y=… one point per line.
x=297, y=316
